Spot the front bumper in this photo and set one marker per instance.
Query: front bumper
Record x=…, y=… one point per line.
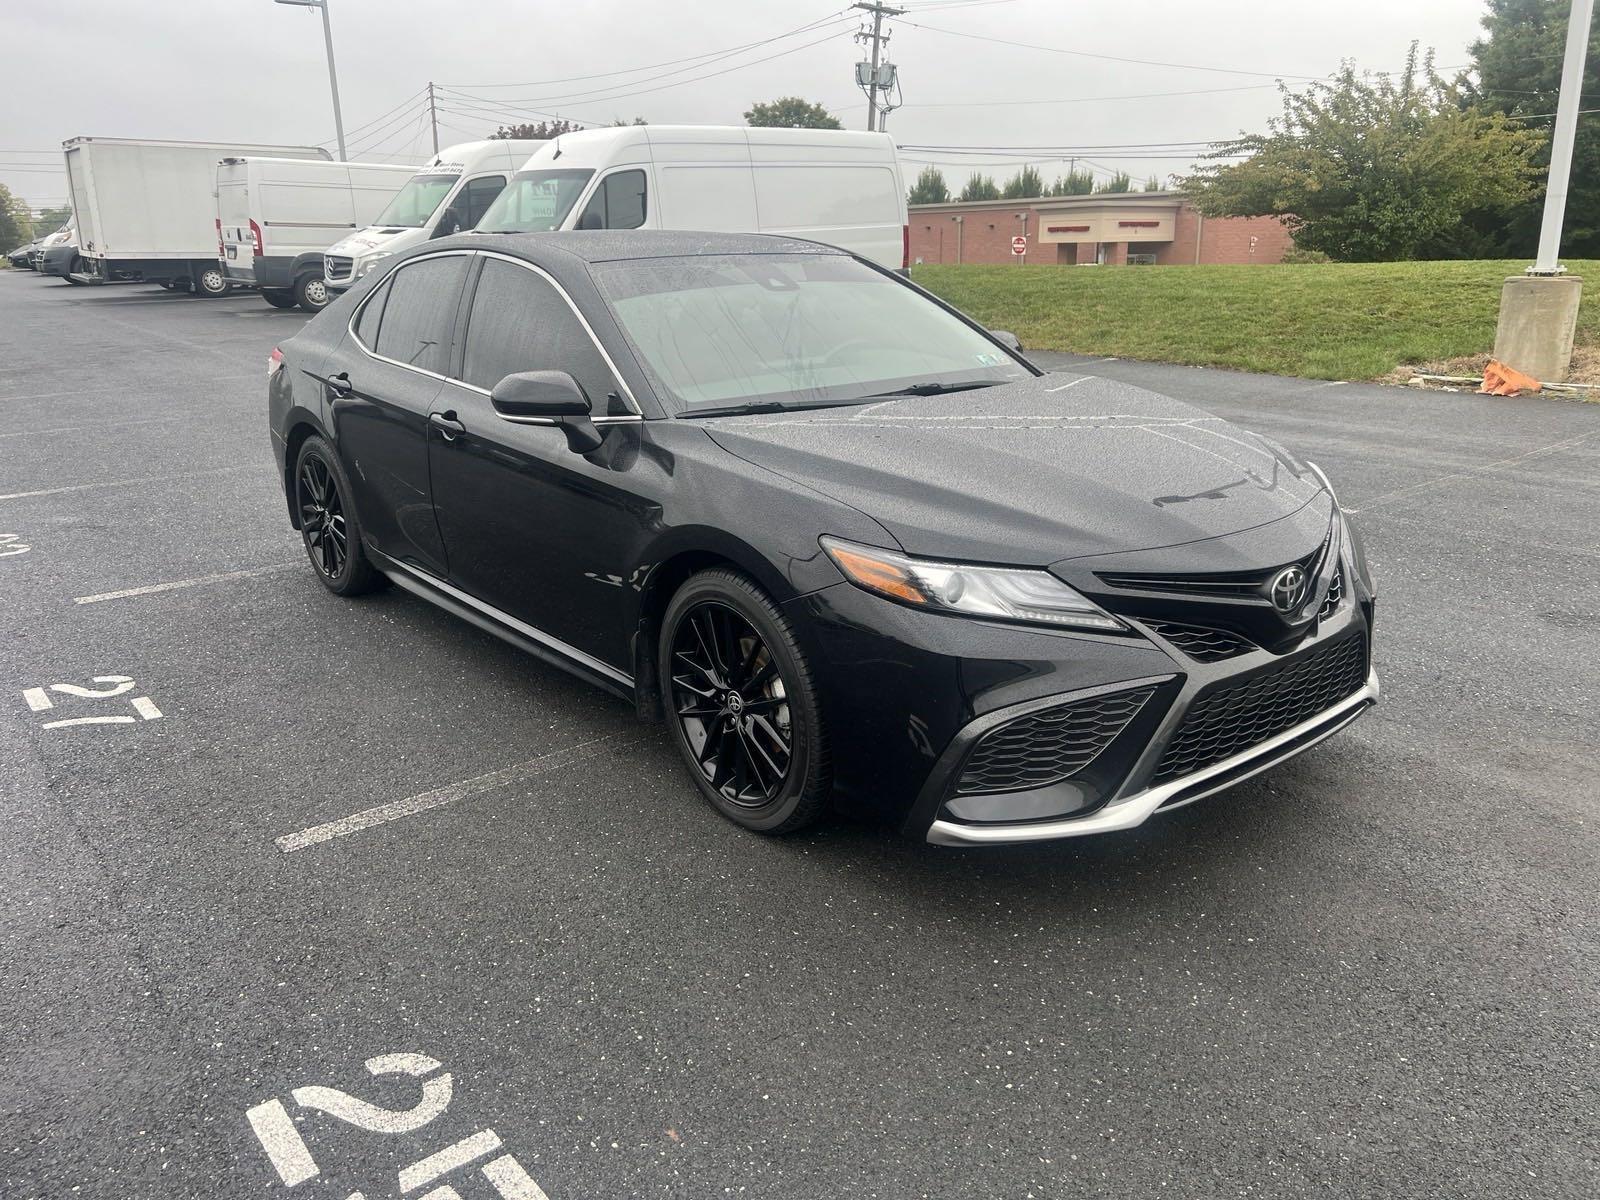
x=1128, y=811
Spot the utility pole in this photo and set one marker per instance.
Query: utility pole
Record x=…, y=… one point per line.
x=433, y=118
x=333, y=74
x=1539, y=309
x=878, y=38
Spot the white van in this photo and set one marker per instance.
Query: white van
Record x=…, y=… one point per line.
x=447, y=194
x=275, y=217
x=824, y=185
x=147, y=209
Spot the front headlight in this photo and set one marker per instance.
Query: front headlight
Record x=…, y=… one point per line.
x=998, y=593
x=372, y=260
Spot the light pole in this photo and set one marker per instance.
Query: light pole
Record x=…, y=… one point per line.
x=333, y=75
x=1539, y=309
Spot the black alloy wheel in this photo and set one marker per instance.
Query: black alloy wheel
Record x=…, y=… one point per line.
x=322, y=519
x=742, y=704
x=327, y=524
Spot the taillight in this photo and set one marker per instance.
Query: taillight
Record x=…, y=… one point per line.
x=274, y=362
x=221, y=253
x=255, y=236
x=905, y=247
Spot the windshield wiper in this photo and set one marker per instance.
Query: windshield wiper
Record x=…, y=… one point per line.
x=937, y=389
x=736, y=410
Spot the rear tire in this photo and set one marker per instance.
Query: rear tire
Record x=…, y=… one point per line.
x=311, y=293
x=328, y=524
x=742, y=704
x=209, y=281
x=278, y=297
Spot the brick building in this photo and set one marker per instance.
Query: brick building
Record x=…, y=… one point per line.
x=1108, y=228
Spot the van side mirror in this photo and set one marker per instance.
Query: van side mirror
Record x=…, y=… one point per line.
x=553, y=397
x=449, y=224
x=1007, y=339
x=591, y=220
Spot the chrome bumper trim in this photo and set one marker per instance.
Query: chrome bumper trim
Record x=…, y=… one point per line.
x=1136, y=809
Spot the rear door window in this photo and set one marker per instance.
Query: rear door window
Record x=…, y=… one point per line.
x=419, y=312
x=519, y=322
x=370, y=316
x=618, y=203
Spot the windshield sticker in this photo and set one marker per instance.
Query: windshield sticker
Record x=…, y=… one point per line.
x=990, y=360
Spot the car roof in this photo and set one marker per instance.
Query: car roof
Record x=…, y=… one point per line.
x=613, y=245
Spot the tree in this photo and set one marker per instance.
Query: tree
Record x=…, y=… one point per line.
x=791, y=112
x=1372, y=167
x=1024, y=185
x=53, y=218
x=1120, y=182
x=1152, y=184
x=540, y=131
x=1519, y=72
x=1075, y=182
x=980, y=187
x=16, y=226
x=930, y=188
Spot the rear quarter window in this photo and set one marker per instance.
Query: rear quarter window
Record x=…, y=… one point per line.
x=419, y=312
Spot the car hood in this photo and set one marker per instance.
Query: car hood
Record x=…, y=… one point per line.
x=1033, y=472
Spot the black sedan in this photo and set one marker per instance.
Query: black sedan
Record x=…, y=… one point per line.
x=852, y=547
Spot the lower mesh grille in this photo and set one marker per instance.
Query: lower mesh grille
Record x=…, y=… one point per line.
x=1048, y=746
x=1201, y=643
x=1232, y=717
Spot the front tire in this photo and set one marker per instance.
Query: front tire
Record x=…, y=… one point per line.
x=311, y=293
x=279, y=297
x=328, y=524
x=742, y=704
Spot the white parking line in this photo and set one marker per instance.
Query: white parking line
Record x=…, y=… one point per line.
x=439, y=797
x=175, y=584
x=84, y=487
x=100, y=425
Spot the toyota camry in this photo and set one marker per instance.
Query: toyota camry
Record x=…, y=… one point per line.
x=853, y=548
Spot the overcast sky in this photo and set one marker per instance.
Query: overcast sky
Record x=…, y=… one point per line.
x=253, y=70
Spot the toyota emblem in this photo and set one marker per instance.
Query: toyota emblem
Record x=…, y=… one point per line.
x=1288, y=589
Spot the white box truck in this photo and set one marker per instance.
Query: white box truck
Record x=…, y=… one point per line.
x=832, y=186
x=277, y=216
x=447, y=194
x=148, y=210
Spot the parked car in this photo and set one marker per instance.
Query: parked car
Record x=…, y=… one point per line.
x=22, y=256
x=147, y=209
x=826, y=185
x=448, y=195
x=850, y=545
x=276, y=216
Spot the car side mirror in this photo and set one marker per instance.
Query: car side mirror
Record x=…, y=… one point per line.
x=548, y=397
x=1007, y=339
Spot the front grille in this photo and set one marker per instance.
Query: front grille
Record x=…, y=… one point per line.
x=1048, y=746
x=1335, y=594
x=336, y=266
x=1201, y=643
x=1230, y=718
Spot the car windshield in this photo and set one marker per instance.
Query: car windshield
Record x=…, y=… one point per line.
x=417, y=201
x=792, y=331
x=535, y=201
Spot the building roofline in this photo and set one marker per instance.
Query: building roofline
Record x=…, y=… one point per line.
x=1093, y=199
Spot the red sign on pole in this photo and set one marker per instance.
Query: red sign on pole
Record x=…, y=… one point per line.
x=1019, y=245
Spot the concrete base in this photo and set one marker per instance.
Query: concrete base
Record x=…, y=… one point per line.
x=1538, y=316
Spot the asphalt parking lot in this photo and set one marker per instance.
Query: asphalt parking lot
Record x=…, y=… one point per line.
x=322, y=832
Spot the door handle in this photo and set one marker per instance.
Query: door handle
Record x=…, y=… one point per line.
x=340, y=384
x=445, y=422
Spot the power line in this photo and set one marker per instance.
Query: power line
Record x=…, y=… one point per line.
x=726, y=51
x=1246, y=87
x=1141, y=62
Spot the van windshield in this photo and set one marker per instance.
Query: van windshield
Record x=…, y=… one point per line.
x=416, y=203
x=535, y=201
